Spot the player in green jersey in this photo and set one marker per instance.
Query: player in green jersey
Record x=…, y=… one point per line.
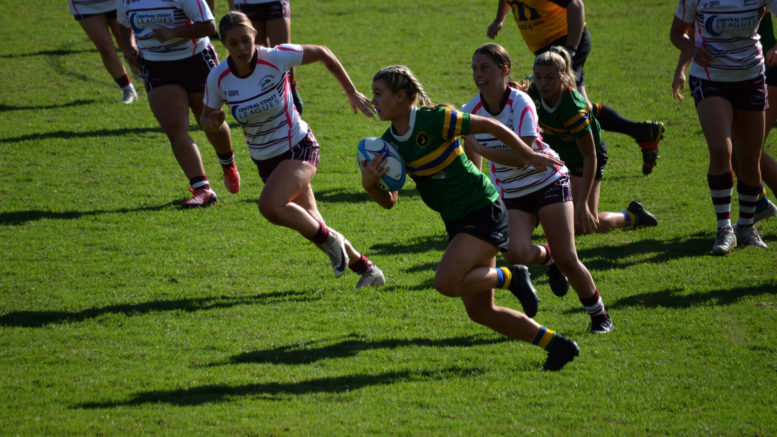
x=571, y=130
x=475, y=217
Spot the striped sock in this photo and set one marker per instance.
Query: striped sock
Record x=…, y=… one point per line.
x=721, y=188
x=226, y=159
x=548, y=255
x=503, y=276
x=544, y=337
x=593, y=305
x=361, y=265
x=631, y=219
x=199, y=182
x=321, y=235
x=748, y=199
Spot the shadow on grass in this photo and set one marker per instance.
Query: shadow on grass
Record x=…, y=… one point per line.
x=61, y=134
x=357, y=195
x=273, y=390
x=348, y=348
x=79, y=102
x=676, y=299
x=660, y=251
x=36, y=319
x=21, y=217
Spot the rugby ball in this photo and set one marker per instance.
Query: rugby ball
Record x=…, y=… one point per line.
x=372, y=146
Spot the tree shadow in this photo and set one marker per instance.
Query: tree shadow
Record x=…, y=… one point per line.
x=421, y=244
x=60, y=134
x=304, y=354
x=79, y=102
x=279, y=390
x=37, y=319
x=21, y=217
x=677, y=299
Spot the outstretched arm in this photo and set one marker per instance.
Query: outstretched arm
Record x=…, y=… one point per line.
x=501, y=12
x=357, y=100
x=512, y=140
x=575, y=24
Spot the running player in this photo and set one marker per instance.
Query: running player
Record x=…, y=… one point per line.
x=254, y=83
x=571, y=130
x=547, y=23
x=729, y=89
x=529, y=194
x=175, y=58
x=272, y=21
x=98, y=19
x=474, y=216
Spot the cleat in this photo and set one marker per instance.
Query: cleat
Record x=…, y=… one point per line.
x=649, y=145
x=769, y=212
x=601, y=324
x=725, y=241
x=559, y=284
x=644, y=217
x=373, y=277
x=748, y=236
x=561, y=351
x=130, y=95
x=232, y=178
x=521, y=287
x=334, y=246
x=201, y=198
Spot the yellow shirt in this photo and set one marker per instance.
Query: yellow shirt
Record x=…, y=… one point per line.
x=540, y=21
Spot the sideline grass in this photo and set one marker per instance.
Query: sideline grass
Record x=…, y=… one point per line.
x=122, y=315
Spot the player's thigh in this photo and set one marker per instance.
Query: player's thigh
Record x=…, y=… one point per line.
x=96, y=28
x=289, y=182
x=464, y=253
x=557, y=222
x=522, y=225
x=278, y=31
x=716, y=116
x=170, y=106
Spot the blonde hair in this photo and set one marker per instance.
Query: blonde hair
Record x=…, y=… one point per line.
x=501, y=58
x=559, y=58
x=232, y=20
x=400, y=78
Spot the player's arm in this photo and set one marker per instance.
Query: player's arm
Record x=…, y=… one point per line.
x=126, y=40
x=470, y=145
x=681, y=36
x=575, y=24
x=585, y=218
x=357, y=100
x=371, y=173
x=512, y=140
x=194, y=30
x=501, y=12
x=502, y=156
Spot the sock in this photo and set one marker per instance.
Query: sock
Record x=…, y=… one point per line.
x=631, y=219
x=200, y=183
x=548, y=256
x=544, y=337
x=503, y=277
x=721, y=188
x=593, y=305
x=361, y=265
x=610, y=120
x=748, y=198
x=763, y=201
x=122, y=81
x=321, y=235
x=227, y=160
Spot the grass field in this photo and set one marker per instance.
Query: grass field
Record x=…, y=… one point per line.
x=121, y=314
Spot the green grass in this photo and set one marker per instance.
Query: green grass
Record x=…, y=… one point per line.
x=121, y=314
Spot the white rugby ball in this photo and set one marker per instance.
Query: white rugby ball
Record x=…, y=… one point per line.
x=372, y=146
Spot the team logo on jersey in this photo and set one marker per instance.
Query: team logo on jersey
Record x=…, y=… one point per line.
x=422, y=139
x=233, y=93
x=265, y=82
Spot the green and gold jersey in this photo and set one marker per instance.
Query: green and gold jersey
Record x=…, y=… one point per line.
x=447, y=182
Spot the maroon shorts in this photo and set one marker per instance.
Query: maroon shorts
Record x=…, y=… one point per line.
x=747, y=95
x=306, y=150
x=190, y=73
x=110, y=15
x=266, y=11
x=557, y=192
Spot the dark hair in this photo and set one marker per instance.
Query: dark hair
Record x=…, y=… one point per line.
x=501, y=58
x=232, y=20
x=400, y=78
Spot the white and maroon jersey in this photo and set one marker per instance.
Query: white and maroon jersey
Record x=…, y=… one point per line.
x=90, y=7
x=729, y=29
x=143, y=16
x=261, y=102
x=519, y=115
x=239, y=3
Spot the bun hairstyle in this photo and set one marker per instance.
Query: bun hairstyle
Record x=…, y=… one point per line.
x=559, y=58
x=501, y=58
x=232, y=20
x=400, y=78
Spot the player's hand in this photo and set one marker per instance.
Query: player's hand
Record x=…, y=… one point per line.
x=702, y=56
x=678, y=85
x=360, y=102
x=212, y=122
x=494, y=28
x=585, y=221
x=163, y=34
x=540, y=161
x=372, y=171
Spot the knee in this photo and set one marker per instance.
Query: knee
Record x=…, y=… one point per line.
x=520, y=255
x=269, y=210
x=446, y=286
x=566, y=262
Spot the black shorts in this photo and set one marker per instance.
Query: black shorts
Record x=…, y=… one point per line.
x=747, y=95
x=266, y=11
x=306, y=150
x=110, y=15
x=601, y=161
x=771, y=76
x=490, y=224
x=190, y=73
x=581, y=54
x=557, y=192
